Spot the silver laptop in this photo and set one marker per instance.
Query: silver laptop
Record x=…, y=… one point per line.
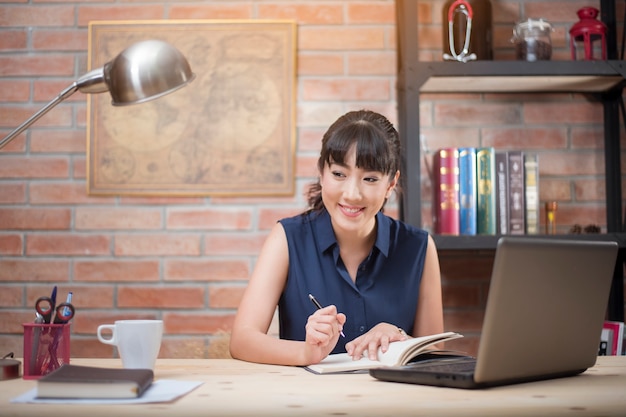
x=545, y=309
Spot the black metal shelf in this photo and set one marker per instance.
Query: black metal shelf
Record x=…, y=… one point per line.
x=605, y=80
x=489, y=242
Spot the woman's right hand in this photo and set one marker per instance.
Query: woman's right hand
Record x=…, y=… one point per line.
x=323, y=329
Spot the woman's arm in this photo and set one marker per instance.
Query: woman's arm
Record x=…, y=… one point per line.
x=249, y=339
x=429, y=315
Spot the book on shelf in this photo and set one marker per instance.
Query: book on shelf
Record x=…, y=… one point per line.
x=614, y=337
x=502, y=192
x=399, y=353
x=516, y=193
x=606, y=340
x=486, y=191
x=76, y=381
x=446, y=191
x=467, y=191
x=531, y=192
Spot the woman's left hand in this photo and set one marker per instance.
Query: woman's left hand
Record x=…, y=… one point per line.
x=379, y=336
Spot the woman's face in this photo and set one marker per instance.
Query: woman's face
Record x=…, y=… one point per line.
x=353, y=195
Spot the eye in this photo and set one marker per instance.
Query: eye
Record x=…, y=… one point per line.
x=338, y=174
x=371, y=179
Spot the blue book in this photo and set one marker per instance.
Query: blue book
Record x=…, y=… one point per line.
x=467, y=191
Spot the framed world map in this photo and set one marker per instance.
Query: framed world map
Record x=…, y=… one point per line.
x=231, y=131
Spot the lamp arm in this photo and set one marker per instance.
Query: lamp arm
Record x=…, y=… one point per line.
x=32, y=119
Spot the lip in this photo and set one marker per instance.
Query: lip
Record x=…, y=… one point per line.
x=351, y=211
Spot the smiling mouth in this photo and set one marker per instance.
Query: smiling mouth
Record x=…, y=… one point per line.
x=350, y=210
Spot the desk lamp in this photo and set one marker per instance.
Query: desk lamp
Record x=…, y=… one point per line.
x=142, y=72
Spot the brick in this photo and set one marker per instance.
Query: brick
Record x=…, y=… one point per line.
x=61, y=193
x=345, y=89
x=67, y=244
x=306, y=165
x=205, y=270
x=118, y=270
x=573, y=163
x=34, y=167
x=37, y=15
x=320, y=64
x=45, y=90
x=304, y=14
x=17, y=91
x=83, y=296
x=473, y=114
x=525, y=138
x=590, y=190
x=11, y=244
x=225, y=296
x=87, y=14
x=200, y=323
x=12, y=192
x=555, y=11
x=557, y=113
x=57, y=141
x=587, y=137
x=34, y=270
x=13, y=40
x=569, y=214
x=10, y=296
x=157, y=244
x=269, y=217
x=60, y=40
x=34, y=219
x=87, y=322
x=379, y=12
x=233, y=244
x=210, y=11
x=28, y=66
x=160, y=297
x=118, y=218
x=552, y=189
x=341, y=38
x=381, y=63
x=209, y=219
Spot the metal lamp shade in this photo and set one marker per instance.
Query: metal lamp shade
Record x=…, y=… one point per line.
x=145, y=71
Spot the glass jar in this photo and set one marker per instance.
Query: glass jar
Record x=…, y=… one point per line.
x=533, y=40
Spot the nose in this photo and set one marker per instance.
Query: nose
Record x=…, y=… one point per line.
x=352, y=189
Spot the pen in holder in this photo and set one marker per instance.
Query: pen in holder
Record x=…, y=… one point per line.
x=46, y=348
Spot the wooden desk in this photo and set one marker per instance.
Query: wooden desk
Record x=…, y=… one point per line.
x=235, y=388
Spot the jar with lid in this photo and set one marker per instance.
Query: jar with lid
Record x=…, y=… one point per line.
x=533, y=40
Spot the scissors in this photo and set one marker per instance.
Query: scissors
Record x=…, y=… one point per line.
x=46, y=306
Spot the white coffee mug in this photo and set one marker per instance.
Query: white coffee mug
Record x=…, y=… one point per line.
x=138, y=341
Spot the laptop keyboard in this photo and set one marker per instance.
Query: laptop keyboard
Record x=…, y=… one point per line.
x=445, y=365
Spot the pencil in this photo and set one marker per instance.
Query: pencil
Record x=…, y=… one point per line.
x=319, y=307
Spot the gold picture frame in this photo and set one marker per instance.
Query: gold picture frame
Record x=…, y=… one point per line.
x=231, y=131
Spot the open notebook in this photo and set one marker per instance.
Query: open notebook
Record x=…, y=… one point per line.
x=546, y=306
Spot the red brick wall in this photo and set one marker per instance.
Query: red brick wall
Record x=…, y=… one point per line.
x=187, y=260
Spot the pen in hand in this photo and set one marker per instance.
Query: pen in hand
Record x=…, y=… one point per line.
x=319, y=307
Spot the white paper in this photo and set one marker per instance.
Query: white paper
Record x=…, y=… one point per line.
x=162, y=390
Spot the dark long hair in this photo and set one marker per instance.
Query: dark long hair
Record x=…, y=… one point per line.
x=377, y=148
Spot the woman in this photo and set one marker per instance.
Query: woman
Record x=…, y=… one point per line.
x=377, y=277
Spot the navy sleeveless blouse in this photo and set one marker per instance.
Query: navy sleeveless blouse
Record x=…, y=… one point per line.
x=387, y=283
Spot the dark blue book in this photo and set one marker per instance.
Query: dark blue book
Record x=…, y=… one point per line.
x=467, y=191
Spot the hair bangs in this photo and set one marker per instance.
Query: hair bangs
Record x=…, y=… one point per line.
x=372, y=151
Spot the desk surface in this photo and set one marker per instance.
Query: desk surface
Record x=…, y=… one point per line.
x=235, y=388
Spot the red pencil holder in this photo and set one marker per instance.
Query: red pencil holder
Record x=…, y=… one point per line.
x=46, y=348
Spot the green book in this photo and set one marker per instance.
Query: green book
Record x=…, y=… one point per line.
x=486, y=191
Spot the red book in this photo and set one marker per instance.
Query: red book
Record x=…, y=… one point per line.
x=446, y=191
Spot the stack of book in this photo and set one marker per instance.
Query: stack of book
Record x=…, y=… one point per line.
x=612, y=339
x=481, y=191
